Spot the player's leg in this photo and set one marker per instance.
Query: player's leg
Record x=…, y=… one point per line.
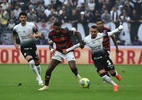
x=72, y=64
x=34, y=69
x=53, y=63
x=55, y=60
x=37, y=64
x=115, y=74
x=38, y=78
x=112, y=70
x=100, y=65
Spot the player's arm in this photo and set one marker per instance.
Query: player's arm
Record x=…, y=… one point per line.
x=115, y=43
x=120, y=28
x=51, y=47
x=73, y=47
x=14, y=37
x=76, y=33
x=37, y=33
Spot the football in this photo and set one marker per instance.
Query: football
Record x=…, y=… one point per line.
x=84, y=83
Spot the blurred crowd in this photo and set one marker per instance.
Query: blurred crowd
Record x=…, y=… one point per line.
x=73, y=11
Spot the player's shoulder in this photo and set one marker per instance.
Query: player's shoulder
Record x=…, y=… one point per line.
x=87, y=38
x=17, y=26
x=64, y=30
x=30, y=23
x=51, y=32
x=107, y=29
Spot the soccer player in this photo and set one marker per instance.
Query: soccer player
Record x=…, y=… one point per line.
x=27, y=32
x=106, y=39
x=62, y=39
x=100, y=55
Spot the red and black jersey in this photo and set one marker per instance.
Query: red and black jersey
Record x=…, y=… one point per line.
x=106, y=40
x=62, y=40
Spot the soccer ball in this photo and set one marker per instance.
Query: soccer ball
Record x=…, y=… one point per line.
x=84, y=83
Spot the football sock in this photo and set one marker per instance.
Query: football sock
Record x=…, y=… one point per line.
x=33, y=68
x=47, y=78
x=38, y=69
x=78, y=77
x=109, y=80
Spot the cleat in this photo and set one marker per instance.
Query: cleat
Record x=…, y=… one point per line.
x=118, y=77
x=115, y=88
x=43, y=88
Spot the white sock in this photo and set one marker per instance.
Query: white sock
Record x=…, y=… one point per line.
x=109, y=80
x=78, y=77
x=33, y=67
x=38, y=69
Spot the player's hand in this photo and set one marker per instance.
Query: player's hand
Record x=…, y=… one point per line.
x=17, y=46
x=81, y=45
x=32, y=36
x=64, y=51
x=120, y=28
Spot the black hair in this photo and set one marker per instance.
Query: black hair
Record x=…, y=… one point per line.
x=99, y=19
x=23, y=13
x=57, y=24
x=94, y=26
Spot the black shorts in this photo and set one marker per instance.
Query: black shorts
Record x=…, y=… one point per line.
x=103, y=63
x=30, y=50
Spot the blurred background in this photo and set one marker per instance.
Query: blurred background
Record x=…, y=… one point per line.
x=80, y=14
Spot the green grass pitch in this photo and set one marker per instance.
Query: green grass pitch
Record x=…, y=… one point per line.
x=64, y=85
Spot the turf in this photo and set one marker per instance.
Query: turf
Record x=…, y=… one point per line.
x=17, y=82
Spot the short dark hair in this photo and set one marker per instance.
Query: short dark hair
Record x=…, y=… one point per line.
x=57, y=24
x=23, y=13
x=94, y=26
x=99, y=19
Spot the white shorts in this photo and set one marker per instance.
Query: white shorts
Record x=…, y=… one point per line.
x=60, y=56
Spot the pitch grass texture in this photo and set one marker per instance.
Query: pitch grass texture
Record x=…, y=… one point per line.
x=17, y=82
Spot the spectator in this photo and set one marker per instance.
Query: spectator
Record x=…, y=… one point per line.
x=91, y=5
x=43, y=41
x=128, y=7
x=64, y=18
x=124, y=17
x=42, y=17
x=39, y=9
x=4, y=16
x=83, y=20
x=31, y=16
x=11, y=24
x=4, y=4
x=137, y=41
x=106, y=17
x=17, y=11
x=13, y=17
x=135, y=22
x=96, y=16
x=73, y=18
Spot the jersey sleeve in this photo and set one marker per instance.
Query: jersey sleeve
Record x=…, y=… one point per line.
x=14, y=32
x=35, y=29
x=84, y=41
